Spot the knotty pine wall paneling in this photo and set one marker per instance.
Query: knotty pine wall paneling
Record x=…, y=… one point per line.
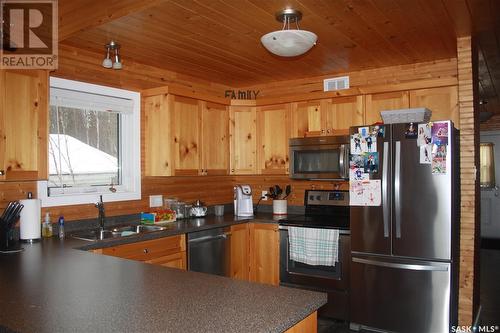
x=439, y=73
x=469, y=186
x=492, y=124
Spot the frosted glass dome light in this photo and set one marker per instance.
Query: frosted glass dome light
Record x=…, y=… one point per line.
x=289, y=42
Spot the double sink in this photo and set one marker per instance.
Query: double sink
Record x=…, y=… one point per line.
x=116, y=232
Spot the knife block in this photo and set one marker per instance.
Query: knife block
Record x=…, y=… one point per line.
x=7, y=241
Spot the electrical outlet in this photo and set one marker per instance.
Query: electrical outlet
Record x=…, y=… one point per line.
x=264, y=195
x=155, y=200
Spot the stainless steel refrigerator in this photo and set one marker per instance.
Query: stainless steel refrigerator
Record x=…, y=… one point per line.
x=405, y=251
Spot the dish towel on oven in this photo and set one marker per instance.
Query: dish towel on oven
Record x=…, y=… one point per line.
x=314, y=246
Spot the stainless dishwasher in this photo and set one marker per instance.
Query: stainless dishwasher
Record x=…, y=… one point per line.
x=209, y=251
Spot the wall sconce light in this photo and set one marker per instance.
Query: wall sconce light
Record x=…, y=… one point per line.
x=107, y=62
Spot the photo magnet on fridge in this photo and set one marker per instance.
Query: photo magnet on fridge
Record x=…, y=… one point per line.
x=356, y=144
x=364, y=131
x=438, y=163
x=371, y=162
x=439, y=133
x=371, y=143
x=411, y=131
x=424, y=134
x=426, y=154
x=358, y=174
x=378, y=130
x=357, y=162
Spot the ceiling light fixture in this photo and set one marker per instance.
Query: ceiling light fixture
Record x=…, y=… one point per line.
x=289, y=42
x=107, y=62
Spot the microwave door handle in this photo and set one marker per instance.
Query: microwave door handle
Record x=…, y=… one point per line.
x=341, y=160
x=343, y=152
x=346, y=161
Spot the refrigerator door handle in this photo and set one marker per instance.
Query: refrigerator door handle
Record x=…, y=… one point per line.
x=414, y=267
x=397, y=192
x=385, y=179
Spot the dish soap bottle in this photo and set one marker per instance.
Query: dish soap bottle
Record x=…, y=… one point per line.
x=47, y=227
x=61, y=227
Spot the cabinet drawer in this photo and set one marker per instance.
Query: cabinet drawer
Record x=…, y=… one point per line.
x=176, y=260
x=148, y=250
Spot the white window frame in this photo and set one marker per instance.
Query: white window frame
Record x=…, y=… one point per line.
x=130, y=156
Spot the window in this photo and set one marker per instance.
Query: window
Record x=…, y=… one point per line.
x=487, y=164
x=94, y=146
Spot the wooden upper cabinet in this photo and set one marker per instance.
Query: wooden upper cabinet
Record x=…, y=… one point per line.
x=273, y=132
x=215, y=139
x=340, y=113
x=328, y=116
x=243, y=143
x=264, y=253
x=382, y=102
x=186, y=120
x=24, y=124
x=443, y=102
x=157, y=135
x=305, y=118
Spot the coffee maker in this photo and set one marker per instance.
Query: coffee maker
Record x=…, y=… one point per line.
x=243, y=205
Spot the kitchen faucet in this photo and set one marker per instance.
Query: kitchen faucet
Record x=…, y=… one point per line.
x=100, y=208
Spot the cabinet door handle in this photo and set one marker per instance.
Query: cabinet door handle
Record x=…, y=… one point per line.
x=145, y=250
x=2, y=172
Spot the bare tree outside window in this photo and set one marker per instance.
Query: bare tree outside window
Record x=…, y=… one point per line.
x=83, y=147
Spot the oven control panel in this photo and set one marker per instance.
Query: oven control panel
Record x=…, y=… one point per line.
x=327, y=198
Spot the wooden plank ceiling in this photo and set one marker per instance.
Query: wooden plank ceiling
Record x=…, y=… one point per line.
x=219, y=40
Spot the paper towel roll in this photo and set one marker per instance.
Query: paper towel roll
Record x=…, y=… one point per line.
x=30, y=220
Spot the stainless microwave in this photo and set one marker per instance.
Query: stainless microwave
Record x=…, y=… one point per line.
x=323, y=157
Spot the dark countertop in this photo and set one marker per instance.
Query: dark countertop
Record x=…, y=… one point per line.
x=52, y=287
x=183, y=227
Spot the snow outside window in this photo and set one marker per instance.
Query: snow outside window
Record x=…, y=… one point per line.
x=93, y=144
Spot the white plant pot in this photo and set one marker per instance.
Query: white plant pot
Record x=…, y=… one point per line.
x=279, y=207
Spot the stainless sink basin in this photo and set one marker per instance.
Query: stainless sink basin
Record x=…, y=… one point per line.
x=95, y=235
x=120, y=231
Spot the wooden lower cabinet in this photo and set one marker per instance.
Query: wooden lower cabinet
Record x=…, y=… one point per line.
x=264, y=253
x=255, y=253
x=307, y=325
x=239, y=247
x=168, y=251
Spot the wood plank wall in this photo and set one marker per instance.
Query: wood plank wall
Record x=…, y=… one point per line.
x=395, y=78
x=492, y=124
x=83, y=65
x=469, y=186
x=296, y=198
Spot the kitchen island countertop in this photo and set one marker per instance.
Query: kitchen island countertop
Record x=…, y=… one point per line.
x=53, y=287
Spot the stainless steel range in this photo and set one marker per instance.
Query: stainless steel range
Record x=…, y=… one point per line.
x=324, y=210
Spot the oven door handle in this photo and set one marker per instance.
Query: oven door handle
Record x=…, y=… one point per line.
x=341, y=231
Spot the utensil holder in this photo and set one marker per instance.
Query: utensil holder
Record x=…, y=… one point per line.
x=279, y=207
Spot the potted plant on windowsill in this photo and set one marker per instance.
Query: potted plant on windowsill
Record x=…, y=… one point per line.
x=279, y=199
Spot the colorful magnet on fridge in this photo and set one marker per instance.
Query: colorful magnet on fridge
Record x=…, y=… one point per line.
x=411, y=131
